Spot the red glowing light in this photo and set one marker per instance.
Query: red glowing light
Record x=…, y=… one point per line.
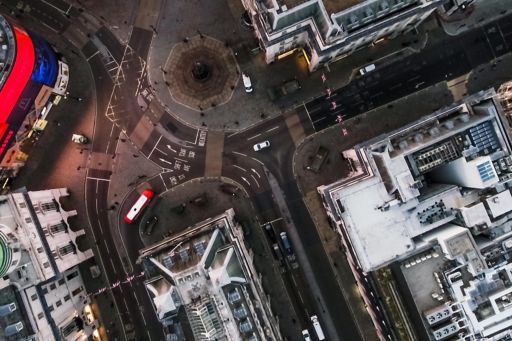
x=20, y=73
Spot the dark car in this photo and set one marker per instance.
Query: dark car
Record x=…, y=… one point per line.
x=270, y=232
x=150, y=225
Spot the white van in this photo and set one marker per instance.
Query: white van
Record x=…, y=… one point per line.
x=247, y=83
x=318, y=328
x=366, y=69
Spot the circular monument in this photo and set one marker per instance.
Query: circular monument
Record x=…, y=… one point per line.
x=201, y=73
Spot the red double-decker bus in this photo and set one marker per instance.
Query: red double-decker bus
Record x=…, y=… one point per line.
x=139, y=206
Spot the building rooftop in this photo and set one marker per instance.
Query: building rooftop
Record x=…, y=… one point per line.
x=204, y=271
x=16, y=314
x=411, y=180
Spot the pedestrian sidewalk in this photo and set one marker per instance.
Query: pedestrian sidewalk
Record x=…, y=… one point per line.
x=476, y=15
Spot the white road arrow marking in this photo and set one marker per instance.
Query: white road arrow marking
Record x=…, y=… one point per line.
x=254, y=171
x=163, y=160
x=169, y=146
x=246, y=181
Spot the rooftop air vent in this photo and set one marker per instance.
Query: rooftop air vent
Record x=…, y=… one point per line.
x=403, y=145
x=464, y=117
x=434, y=131
x=418, y=138
x=449, y=125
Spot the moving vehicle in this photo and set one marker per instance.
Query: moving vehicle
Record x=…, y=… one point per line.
x=286, y=243
x=318, y=328
x=150, y=225
x=270, y=232
x=305, y=335
x=366, y=69
x=277, y=252
x=262, y=145
x=80, y=139
x=139, y=206
x=287, y=88
x=247, y=83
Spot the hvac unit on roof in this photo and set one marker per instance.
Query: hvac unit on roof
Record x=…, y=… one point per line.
x=418, y=138
x=449, y=125
x=434, y=131
x=403, y=145
x=464, y=117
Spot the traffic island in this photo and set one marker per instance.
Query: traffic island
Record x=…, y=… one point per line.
x=201, y=73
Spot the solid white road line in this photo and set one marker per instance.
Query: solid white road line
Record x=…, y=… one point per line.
x=256, y=172
x=97, y=179
x=258, y=161
x=245, y=170
x=161, y=151
x=156, y=144
x=276, y=127
x=92, y=55
x=241, y=154
x=253, y=137
x=257, y=183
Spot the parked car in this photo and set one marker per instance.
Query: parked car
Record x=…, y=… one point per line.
x=247, y=83
x=366, y=69
x=305, y=335
x=287, y=88
x=262, y=145
x=269, y=230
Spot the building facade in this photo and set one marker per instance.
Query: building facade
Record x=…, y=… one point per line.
x=205, y=276
x=326, y=31
x=31, y=76
x=42, y=295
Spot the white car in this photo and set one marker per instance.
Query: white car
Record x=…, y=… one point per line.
x=247, y=83
x=366, y=69
x=305, y=335
x=259, y=146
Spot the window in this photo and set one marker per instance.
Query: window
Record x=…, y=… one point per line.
x=40, y=250
x=51, y=308
x=58, y=303
x=53, y=286
x=67, y=298
x=28, y=220
x=40, y=316
x=22, y=205
x=76, y=291
x=33, y=297
x=61, y=281
x=46, y=265
x=45, y=290
x=72, y=275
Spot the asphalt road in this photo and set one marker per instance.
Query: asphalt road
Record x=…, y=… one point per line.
x=119, y=73
x=445, y=60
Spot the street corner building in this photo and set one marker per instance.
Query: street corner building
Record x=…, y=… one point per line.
x=204, y=286
x=42, y=294
x=325, y=31
x=432, y=203
x=32, y=79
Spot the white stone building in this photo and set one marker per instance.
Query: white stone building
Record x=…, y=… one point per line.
x=328, y=30
x=205, y=275
x=39, y=277
x=434, y=197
